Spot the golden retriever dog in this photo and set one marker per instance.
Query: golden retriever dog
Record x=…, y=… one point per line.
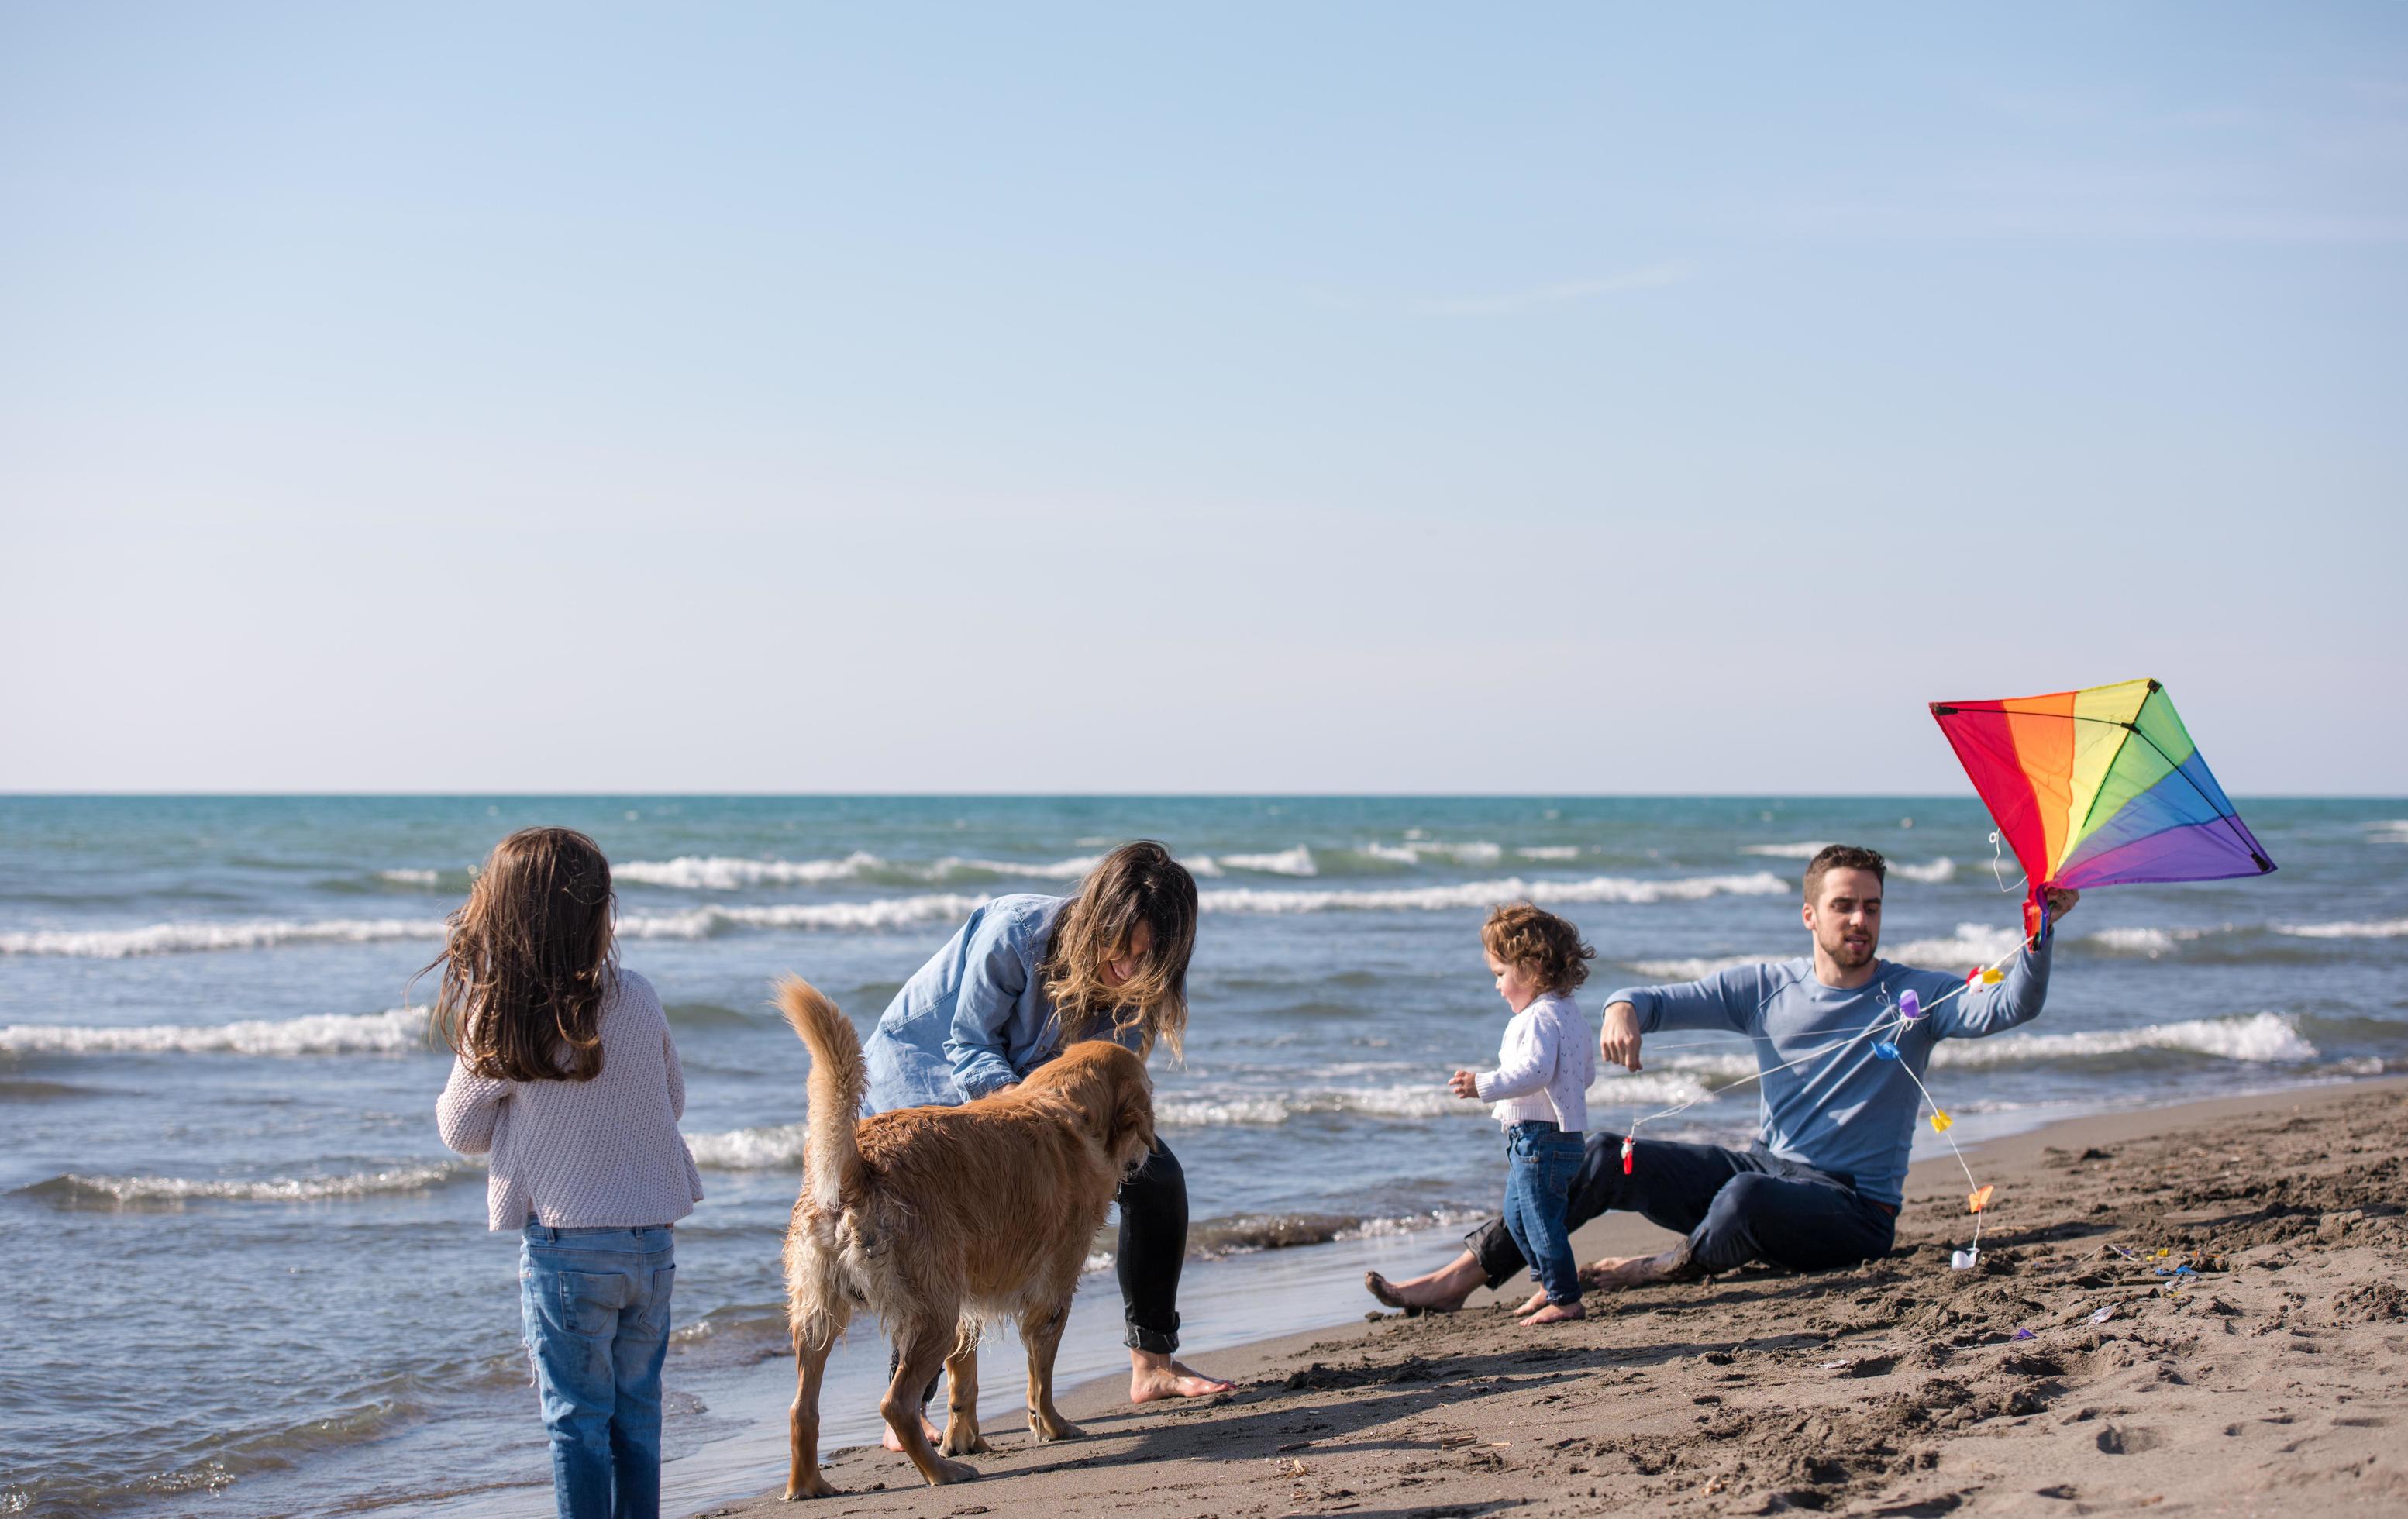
x=941, y=1220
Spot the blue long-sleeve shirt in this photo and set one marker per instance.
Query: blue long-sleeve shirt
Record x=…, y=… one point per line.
x=1848, y=1111
x=976, y=1016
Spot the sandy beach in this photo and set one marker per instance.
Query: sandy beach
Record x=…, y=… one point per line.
x=2079, y=1368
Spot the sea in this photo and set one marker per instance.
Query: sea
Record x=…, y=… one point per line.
x=246, y=1278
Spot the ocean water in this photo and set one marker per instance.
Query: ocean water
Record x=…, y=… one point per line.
x=246, y=1279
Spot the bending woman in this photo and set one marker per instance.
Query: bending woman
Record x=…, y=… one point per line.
x=1027, y=975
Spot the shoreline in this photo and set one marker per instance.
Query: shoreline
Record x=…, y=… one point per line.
x=1429, y=1370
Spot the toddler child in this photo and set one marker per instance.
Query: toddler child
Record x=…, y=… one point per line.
x=1539, y=1092
x=567, y=1076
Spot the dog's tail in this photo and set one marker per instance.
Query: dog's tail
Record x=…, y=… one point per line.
x=839, y=1080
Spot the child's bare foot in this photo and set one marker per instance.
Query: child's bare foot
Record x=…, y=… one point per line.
x=1557, y=1312
x=892, y=1443
x=1537, y=1302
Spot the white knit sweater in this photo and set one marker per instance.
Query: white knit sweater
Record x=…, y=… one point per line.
x=600, y=1154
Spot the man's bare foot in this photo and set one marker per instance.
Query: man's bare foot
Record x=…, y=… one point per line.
x=892, y=1443
x=1557, y=1314
x=1154, y=1377
x=1638, y=1271
x=1537, y=1302
x=1441, y=1291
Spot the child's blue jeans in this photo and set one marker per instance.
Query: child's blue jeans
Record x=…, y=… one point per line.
x=597, y=1305
x=1540, y=1163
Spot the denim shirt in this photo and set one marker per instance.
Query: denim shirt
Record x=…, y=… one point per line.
x=976, y=1016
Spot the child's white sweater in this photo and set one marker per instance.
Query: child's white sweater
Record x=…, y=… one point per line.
x=1543, y=1066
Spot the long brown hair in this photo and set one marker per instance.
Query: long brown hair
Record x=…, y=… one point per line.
x=527, y=960
x=1134, y=885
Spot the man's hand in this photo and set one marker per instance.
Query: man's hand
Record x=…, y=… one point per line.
x=2060, y=902
x=1619, y=1043
x=1463, y=1084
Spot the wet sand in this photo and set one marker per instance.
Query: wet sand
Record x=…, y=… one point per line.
x=2077, y=1369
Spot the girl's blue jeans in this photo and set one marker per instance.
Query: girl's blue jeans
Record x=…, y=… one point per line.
x=1540, y=1163
x=597, y=1305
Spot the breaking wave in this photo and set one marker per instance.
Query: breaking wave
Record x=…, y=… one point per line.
x=399, y=1031
x=2261, y=1038
x=706, y=921
x=770, y=1148
x=1478, y=894
x=1787, y=852
x=1287, y=862
x=2389, y=928
x=170, y=1191
x=1695, y=969
x=728, y=873
x=178, y=938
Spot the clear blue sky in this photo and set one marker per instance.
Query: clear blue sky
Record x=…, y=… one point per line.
x=1331, y=397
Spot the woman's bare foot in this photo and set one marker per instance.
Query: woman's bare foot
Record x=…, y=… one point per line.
x=1557, y=1312
x=1441, y=1291
x=1153, y=1378
x=892, y=1443
x=1537, y=1302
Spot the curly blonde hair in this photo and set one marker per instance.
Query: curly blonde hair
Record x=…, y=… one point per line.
x=1135, y=884
x=1547, y=949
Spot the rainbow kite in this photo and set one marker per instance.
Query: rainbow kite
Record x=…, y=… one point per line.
x=2098, y=787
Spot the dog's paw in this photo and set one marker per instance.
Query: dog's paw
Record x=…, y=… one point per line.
x=1058, y=1430
x=963, y=1442
x=814, y=1485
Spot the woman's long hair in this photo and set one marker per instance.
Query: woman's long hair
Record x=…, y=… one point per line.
x=1134, y=885
x=527, y=960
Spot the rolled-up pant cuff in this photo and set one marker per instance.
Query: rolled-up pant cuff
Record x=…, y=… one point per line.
x=1152, y=1341
x=1492, y=1245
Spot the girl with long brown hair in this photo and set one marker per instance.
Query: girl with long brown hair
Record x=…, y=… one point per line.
x=1022, y=978
x=565, y=1074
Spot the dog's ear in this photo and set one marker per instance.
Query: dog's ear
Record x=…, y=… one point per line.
x=1128, y=1136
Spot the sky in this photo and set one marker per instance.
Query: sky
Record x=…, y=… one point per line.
x=1580, y=399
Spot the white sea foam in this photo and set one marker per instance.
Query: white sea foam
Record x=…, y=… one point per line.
x=1287, y=862
x=1696, y=969
x=399, y=1031
x=1476, y=893
x=1549, y=851
x=135, y=1191
x=2149, y=941
x=176, y=938
x=1416, y=1100
x=1942, y=868
x=770, y=1148
x=724, y=873
x=2259, y=1038
x=1975, y=944
x=2389, y=831
x=412, y=878
x=891, y=912
x=887, y=912
x=1476, y=851
x=2388, y=928
x=721, y=873
x=1787, y=852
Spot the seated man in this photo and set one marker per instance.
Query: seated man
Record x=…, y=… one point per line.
x=1821, y=1185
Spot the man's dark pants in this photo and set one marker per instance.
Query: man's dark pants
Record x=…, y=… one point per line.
x=1736, y=1206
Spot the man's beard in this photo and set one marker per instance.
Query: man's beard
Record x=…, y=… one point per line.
x=1849, y=956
